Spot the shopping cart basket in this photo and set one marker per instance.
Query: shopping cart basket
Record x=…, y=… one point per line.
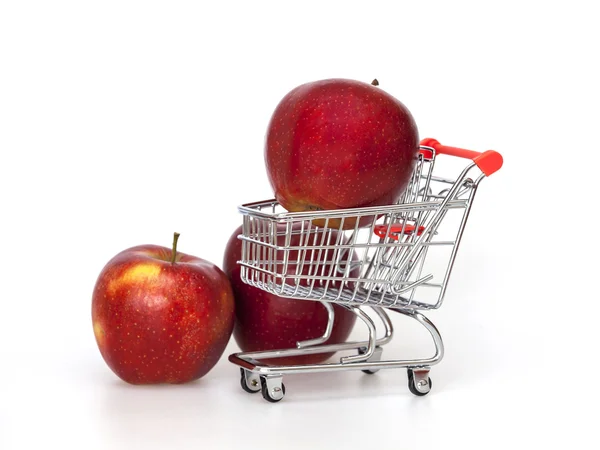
x=400, y=261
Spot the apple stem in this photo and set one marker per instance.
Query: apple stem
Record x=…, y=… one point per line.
x=174, y=254
x=375, y=82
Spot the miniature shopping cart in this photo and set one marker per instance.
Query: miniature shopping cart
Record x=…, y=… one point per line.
x=374, y=259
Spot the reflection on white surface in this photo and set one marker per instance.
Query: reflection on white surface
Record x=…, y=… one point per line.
x=77, y=401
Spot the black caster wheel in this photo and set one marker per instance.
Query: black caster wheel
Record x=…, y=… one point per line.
x=252, y=386
x=425, y=386
x=274, y=393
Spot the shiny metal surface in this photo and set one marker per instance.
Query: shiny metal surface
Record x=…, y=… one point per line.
x=252, y=380
x=326, y=334
x=392, y=269
x=251, y=360
x=401, y=261
x=421, y=380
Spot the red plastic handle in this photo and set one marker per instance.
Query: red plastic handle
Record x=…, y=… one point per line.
x=396, y=229
x=488, y=162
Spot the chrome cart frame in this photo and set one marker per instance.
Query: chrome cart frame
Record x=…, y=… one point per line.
x=374, y=258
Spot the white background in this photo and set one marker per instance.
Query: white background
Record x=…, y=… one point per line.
x=123, y=121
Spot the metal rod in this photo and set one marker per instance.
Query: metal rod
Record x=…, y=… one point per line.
x=250, y=360
x=372, y=342
x=326, y=334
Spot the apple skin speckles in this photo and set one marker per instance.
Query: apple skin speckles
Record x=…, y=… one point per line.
x=265, y=321
x=339, y=143
x=158, y=322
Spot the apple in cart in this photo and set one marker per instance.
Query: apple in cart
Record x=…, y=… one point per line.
x=161, y=316
x=265, y=321
x=339, y=143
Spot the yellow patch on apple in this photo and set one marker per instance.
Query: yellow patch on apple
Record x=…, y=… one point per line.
x=99, y=333
x=139, y=273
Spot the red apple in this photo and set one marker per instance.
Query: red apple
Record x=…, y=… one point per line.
x=161, y=316
x=265, y=321
x=340, y=143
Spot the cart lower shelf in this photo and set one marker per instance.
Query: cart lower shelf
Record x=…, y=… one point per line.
x=268, y=378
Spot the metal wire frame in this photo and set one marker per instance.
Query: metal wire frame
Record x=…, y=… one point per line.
x=381, y=267
x=286, y=254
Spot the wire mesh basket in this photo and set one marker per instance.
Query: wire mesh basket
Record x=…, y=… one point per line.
x=381, y=264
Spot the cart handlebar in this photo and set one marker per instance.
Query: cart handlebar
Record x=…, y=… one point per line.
x=488, y=162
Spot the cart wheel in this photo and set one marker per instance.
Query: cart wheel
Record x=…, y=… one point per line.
x=422, y=389
x=273, y=389
x=250, y=382
x=376, y=357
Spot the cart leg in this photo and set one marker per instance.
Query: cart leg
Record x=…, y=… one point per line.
x=375, y=357
x=328, y=329
x=372, y=338
x=387, y=326
x=419, y=382
x=433, y=331
x=389, y=332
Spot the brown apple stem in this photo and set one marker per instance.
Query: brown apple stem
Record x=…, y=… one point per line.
x=375, y=82
x=175, y=238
